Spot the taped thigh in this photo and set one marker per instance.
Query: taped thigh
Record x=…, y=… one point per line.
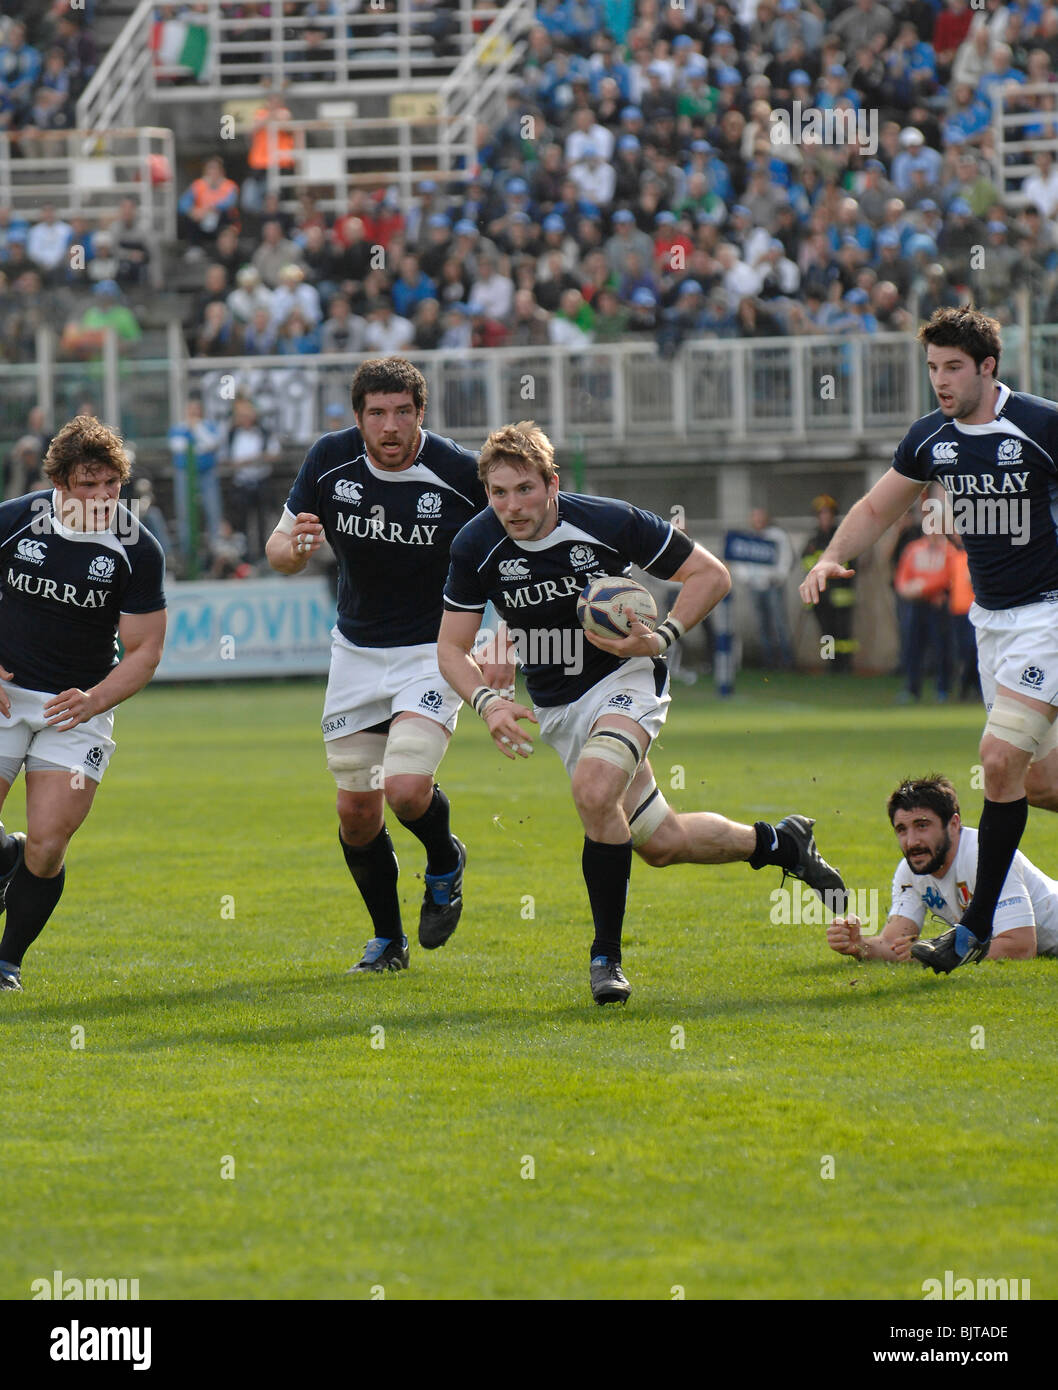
x=649, y=813
x=414, y=748
x=355, y=761
x=1021, y=726
x=616, y=747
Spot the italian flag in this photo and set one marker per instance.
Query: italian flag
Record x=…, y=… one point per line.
x=177, y=44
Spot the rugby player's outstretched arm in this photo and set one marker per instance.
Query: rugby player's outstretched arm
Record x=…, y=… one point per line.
x=886, y=502
x=142, y=636
x=704, y=581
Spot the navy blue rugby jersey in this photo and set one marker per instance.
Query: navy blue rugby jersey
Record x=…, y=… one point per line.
x=535, y=584
x=391, y=532
x=1001, y=481
x=62, y=592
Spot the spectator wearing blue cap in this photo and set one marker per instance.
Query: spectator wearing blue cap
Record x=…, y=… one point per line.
x=860, y=302
x=84, y=337
x=626, y=238
x=628, y=169
x=596, y=180
x=683, y=320
x=587, y=134
x=961, y=232
x=836, y=91
x=434, y=251
x=890, y=262
x=643, y=314
x=419, y=211
x=993, y=279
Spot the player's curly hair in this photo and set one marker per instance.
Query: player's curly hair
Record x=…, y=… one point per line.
x=932, y=793
x=966, y=328
x=84, y=440
x=524, y=446
x=388, y=376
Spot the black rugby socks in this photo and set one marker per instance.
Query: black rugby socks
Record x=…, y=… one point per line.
x=30, y=902
x=374, y=868
x=999, y=833
x=432, y=829
x=606, y=872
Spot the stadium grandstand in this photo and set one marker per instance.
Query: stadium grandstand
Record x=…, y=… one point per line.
x=698, y=236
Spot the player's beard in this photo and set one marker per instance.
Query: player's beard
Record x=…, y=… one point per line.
x=936, y=862
x=402, y=462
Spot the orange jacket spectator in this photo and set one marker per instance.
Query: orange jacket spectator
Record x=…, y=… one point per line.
x=275, y=149
x=925, y=571
x=962, y=594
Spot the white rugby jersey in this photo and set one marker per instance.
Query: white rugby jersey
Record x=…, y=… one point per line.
x=1028, y=896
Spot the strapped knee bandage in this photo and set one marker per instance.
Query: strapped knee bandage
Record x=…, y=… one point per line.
x=355, y=761
x=648, y=815
x=616, y=747
x=414, y=749
x=1018, y=724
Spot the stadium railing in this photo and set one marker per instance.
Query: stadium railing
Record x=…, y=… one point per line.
x=365, y=53
x=87, y=172
x=845, y=393
x=1015, y=140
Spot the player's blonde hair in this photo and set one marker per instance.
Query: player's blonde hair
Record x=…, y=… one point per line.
x=85, y=440
x=524, y=446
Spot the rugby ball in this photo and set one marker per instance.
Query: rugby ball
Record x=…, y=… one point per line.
x=600, y=608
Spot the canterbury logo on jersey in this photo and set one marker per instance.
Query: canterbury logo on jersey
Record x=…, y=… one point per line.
x=514, y=569
x=945, y=452
x=102, y=567
x=36, y=584
x=33, y=551
x=345, y=490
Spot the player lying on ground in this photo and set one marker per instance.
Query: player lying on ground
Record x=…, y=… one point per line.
x=76, y=571
x=995, y=452
x=938, y=873
x=604, y=701
x=390, y=497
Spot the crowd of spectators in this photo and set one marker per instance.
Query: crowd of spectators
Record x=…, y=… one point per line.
x=47, y=58
x=637, y=188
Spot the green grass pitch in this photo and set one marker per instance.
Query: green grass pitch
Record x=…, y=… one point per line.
x=511, y=1139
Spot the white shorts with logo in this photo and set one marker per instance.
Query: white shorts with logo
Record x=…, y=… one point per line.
x=1018, y=648
x=629, y=691
x=27, y=737
x=368, y=685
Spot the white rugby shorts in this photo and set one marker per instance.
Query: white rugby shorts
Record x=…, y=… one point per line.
x=629, y=691
x=27, y=737
x=1018, y=648
x=368, y=685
